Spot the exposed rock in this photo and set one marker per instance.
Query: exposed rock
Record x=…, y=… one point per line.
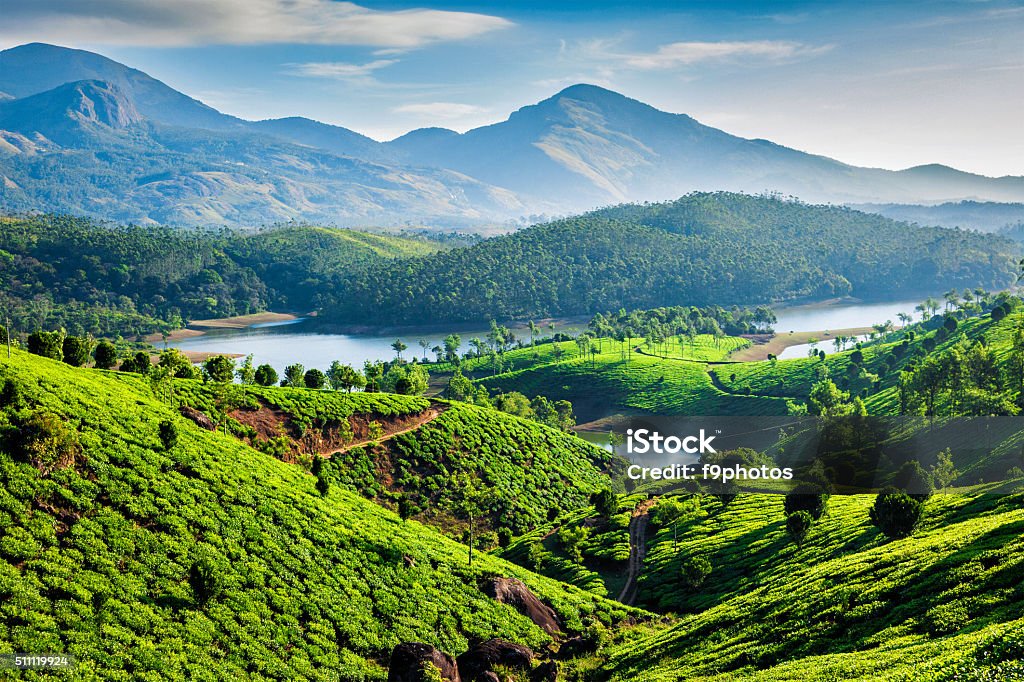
x=409, y=659
x=545, y=672
x=482, y=658
x=576, y=646
x=198, y=417
x=516, y=594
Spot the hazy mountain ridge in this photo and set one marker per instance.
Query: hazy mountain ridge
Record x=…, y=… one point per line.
x=89, y=135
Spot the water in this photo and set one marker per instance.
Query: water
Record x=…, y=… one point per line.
x=280, y=344
x=802, y=350
x=818, y=317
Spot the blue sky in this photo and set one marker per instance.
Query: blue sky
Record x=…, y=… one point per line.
x=890, y=85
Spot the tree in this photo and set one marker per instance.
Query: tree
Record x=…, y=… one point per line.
x=265, y=375
x=405, y=379
x=398, y=347
x=452, y=343
x=797, y=525
x=219, y=369
x=246, y=373
x=47, y=344
x=806, y=497
x=669, y=510
x=914, y=480
x=294, y=375
x=314, y=378
x=344, y=377
x=425, y=345
x=695, y=570
x=406, y=508
x=105, y=355
x=138, y=363
x=77, y=350
x=177, y=364
x=896, y=513
x=605, y=502
x=944, y=472
x=168, y=432
x=571, y=538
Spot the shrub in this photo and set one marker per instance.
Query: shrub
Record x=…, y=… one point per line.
x=896, y=513
x=797, y=525
x=695, y=571
x=945, y=619
x=605, y=502
x=168, y=434
x=914, y=480
x=206, y=578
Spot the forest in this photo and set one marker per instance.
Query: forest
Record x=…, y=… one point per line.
x=704, y=249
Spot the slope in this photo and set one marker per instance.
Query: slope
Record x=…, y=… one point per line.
x=204, y=556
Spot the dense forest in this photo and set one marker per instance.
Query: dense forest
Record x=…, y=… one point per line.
x=716, y=248
x=704, y=249
x=106, y=280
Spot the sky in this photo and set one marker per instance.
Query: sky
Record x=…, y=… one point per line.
x=879, y=84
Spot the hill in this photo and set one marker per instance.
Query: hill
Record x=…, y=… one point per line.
x=184, y=162
x=205, y=556
x=108, y=280
x=703, y=249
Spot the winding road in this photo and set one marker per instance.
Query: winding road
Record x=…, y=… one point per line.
x=637, y=550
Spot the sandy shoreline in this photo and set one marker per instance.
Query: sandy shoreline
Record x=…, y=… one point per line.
x=775, y=344
x=197, y=327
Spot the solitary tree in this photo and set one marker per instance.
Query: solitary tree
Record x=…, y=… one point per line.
x=294, y=375
x=314, y=378
x=896, y=513
x=695, y=571
x=77, y=350
x=246, y=373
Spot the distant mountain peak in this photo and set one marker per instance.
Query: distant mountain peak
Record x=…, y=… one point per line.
x=97, y=102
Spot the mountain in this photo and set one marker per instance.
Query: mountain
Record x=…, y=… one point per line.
x=72, y=111
x=172, y=158
x=600, y=147
x=985, y=216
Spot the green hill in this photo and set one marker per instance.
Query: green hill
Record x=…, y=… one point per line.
x=108, y=280
x=703, y=249
x=211, y=558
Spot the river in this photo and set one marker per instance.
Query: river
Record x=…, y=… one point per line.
x=281, y=344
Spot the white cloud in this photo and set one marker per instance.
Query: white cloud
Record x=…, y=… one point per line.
x=235, y=22
x=441, y=110
x=339, y=70
x=689, y=53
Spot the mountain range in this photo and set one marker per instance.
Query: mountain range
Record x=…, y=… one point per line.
x=82, y=133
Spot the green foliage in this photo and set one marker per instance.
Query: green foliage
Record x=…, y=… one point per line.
x=806, y=497
x=605, y=502
x=47, y=344
x=220, y=369
x=105, y=355
x=168, y=432
x=77, y=350
x=265, y=375
x=798, y=524
x=705, y=248
x=198, y=561
x=896, y=513
x=314, y=378
x=294, y=376
x=694, y=571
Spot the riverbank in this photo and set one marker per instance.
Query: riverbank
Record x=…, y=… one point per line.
x=200, y=327
x=764, y=345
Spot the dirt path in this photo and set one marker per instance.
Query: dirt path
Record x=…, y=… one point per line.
x=776, y=343
x=637, y=551
x=427, y=416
